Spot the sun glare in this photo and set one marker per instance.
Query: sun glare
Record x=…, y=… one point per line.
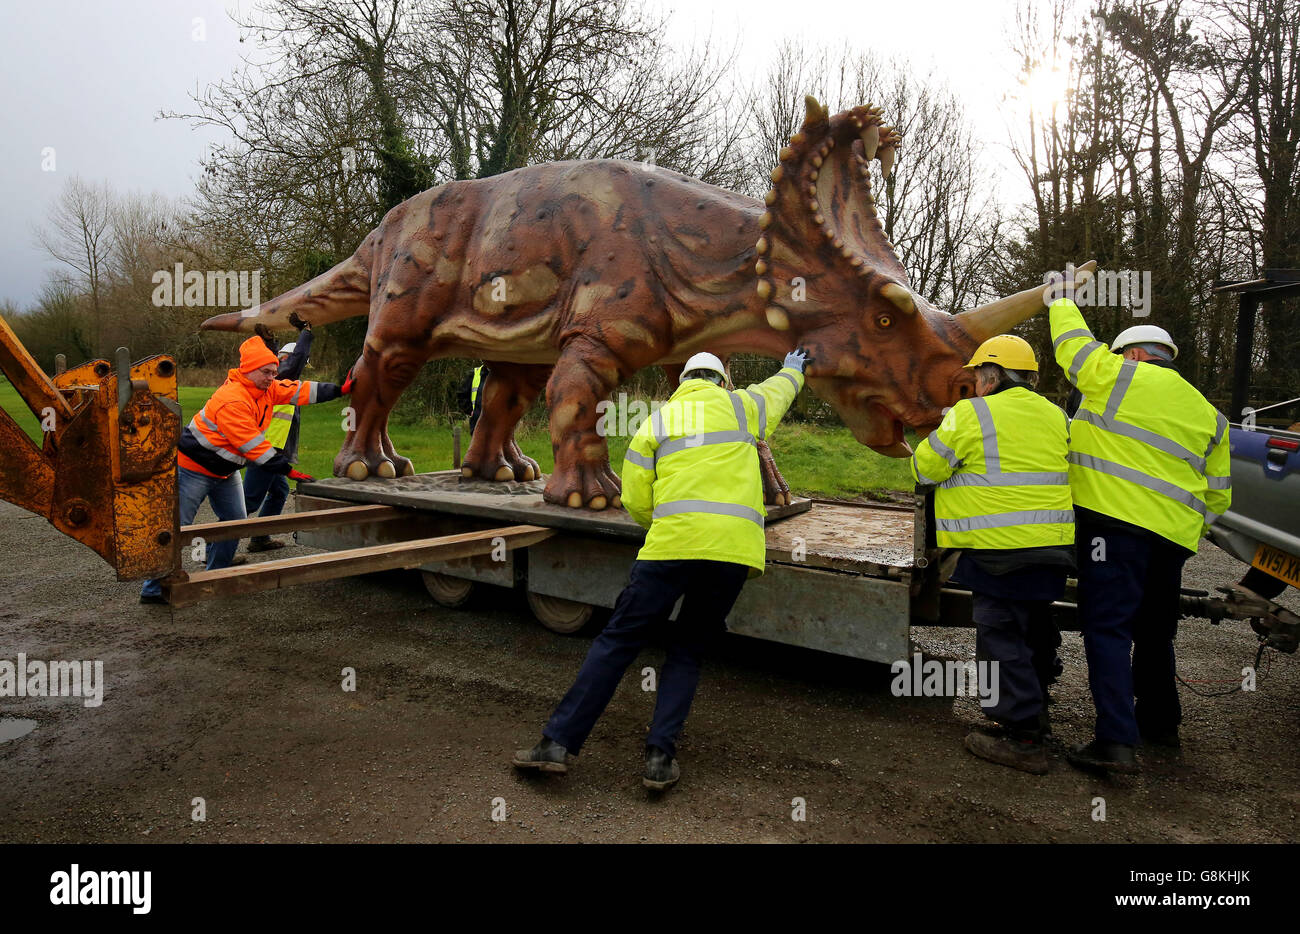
x=1048, y=86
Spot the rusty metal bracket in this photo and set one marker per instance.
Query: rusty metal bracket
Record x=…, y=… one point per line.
x=105, y=471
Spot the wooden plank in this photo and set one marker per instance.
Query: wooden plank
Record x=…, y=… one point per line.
x=515, y=502
x=845, y=537
x=291, y=522
x=287, y=572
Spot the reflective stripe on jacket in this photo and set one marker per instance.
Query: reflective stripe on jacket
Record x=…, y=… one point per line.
x=1145, y=446
x=691, y=473
x=999, y=462
x=231, y=428
x=474, y=387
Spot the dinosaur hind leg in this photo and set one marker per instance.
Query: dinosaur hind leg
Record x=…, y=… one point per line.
x=509, y=390
x=381, y=376
x=583, y=376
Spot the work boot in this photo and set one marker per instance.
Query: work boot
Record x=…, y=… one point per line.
x=546, y=756
x=1040, y=731
x=660, y=769
x=1098, y=756
x=1165, y=739
x=263, y=543
x=153, y=598
x=1023, y=754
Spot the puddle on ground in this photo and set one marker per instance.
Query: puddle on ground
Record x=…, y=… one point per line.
x=12, y=729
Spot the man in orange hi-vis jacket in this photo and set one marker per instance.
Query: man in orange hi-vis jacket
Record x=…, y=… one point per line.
x=229, y=432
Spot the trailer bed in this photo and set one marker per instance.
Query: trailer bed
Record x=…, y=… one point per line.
x=857, y=538
x=837, y=576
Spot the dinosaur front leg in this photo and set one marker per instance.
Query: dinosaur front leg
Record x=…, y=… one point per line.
x=381, y=376
x=508, y=392
x=583, y=376
x=775, y=490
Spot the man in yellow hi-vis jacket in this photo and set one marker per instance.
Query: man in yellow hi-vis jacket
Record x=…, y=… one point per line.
x=1003, y=498
x=690, y=476
x=1149, y=472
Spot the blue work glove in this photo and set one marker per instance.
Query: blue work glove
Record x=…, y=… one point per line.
x=796, y=359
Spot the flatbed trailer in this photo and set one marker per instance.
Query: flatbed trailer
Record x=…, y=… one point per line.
x=845, y=578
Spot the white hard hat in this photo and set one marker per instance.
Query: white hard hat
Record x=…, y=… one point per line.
x=1144, y=334
x=705, y=361
x=288, y=348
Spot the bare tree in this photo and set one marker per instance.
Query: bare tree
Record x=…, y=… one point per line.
x=1265, y=36
x=506, y=83
x=78, y=234
x=938, y=208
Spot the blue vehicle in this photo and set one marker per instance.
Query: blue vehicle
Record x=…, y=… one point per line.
x=1262, y=528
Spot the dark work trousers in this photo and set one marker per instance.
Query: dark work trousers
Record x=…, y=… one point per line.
x=1128, y=603
x=265, y=490
x=1022, y=638
x=709, y=588
x=477, y=412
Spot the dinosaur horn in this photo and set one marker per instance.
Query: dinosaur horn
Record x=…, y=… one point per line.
x=900, y=296
x=1001, y=316
x=814, y=113
x=871, y=141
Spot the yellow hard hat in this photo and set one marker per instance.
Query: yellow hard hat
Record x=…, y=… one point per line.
x=1007, y=351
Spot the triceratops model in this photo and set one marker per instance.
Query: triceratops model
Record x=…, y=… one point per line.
x=574, y=275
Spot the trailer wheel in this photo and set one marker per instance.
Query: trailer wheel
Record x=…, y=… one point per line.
x=559, y=615
x=446, y=590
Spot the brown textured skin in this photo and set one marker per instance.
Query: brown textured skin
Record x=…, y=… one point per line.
x=574, y=275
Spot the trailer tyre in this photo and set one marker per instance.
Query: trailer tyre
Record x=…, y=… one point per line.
x=448, y=591
x=559, y=615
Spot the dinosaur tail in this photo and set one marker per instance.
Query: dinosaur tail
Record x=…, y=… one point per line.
x=341, y=292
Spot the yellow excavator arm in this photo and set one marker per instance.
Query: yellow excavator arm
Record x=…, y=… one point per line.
x=105, y=473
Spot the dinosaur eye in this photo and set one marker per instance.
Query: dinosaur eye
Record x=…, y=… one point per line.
x=884, y=321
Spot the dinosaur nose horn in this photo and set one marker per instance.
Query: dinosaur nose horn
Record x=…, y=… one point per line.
x=232, y=321
x=1000, y=316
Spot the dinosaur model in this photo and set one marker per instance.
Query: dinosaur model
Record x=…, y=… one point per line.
x=571, y=276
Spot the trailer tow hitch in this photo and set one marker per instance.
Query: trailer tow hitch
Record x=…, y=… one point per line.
x=1277, y=627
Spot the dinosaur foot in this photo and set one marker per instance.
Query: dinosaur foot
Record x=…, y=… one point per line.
x=509, y=464
x=401, y=464
x=592, y=485
x=360, y=466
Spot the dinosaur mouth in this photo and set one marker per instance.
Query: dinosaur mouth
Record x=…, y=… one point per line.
x=896, y=447
x=874, y=422
x=882, y=431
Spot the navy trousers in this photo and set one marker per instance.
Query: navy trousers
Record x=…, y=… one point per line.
x=1128, y=604
x=709, y=589
x=1022, y=638
x=265, y=490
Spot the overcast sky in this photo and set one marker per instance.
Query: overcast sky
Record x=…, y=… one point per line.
x=88, y=77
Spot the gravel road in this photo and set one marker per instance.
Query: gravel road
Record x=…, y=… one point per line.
x=239, y=703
